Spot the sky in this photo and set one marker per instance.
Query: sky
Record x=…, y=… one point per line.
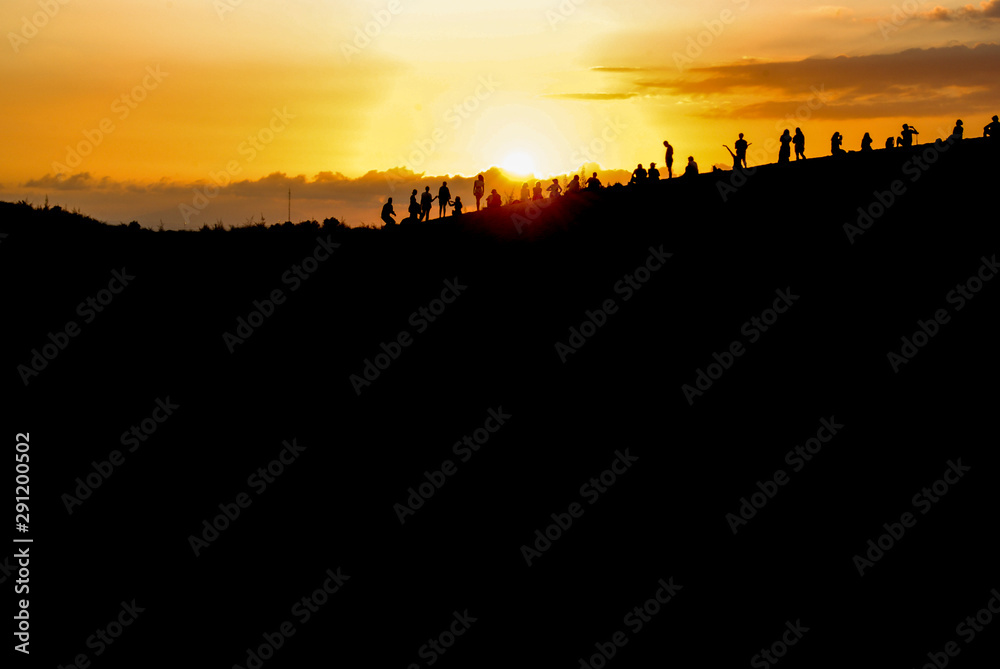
x=189, y=112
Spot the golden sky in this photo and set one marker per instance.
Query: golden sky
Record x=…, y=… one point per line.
x=127, y=108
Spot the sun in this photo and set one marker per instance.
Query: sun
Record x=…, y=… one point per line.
x=519, y=163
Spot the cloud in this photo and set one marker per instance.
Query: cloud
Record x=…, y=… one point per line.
x=987, y=11
x=915, y=82
x=62, y=182
x=326, y=195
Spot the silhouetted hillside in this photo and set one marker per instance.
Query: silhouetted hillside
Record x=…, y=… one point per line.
x=670, y=280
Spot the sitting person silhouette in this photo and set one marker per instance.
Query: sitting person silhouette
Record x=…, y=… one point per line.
x=799, y=141
x=957, y=133
x=443, y=196
x=866, y=143
x=907, y=135
x=457, y=204
x=536, y=192
x=554, y=189
x=692, y=167
x=638, y=175
x=785, y=152
x=574, y=185
x=593, y=183
x=888, y=142
x=992, y=130
x=835, y=143
x=493, y=201
x=387, y=213
x=653, y=174
x=525, y=193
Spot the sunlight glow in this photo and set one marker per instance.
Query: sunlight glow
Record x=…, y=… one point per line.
x=519, y=163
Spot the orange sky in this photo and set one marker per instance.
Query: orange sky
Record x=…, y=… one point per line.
x=128, y=110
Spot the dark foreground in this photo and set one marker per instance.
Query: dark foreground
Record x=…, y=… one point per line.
x=871, y=547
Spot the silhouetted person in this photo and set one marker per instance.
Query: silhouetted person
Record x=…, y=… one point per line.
x=741, y=149
x=425, y=204
x=493, y=201
x=785, y=152
x=593, y=183
x=899, y=141
x=457, y=204
x=388, y=213
x=736, y=159
x=669, y=159
x=653, y=174
x=443, y=196
x=992, y=130
x=835, y=143
x=866, y=143
x=574, y=185
x=908, y=134
x=536, y=192
x=479, y=189
x=525, y=193
x=638, y=175
x=888, y=142
x=957, y=133
x=692, y=167
x=799, y=141
x=414, y=207
x=554, y=189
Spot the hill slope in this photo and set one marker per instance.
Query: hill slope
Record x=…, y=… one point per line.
x=638, y=363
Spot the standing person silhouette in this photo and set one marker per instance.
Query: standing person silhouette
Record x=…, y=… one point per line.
x=692, y=167
x=669, y=159
x=638, y=175
x=414, y=208
x=741, y=150
x=736, y=158
x=957, y=133
x=425, y=204
x=554, y=189
x=479, y=189
x=653, y=174
x=835, y=143
x=536, y=192
x=387, y=213
x=524, y=192
x=443, y=196
x=866, y=143
x=593, y=183
x=992, y=130
x=799, y=140
x=785, y=152
x=907, y=135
